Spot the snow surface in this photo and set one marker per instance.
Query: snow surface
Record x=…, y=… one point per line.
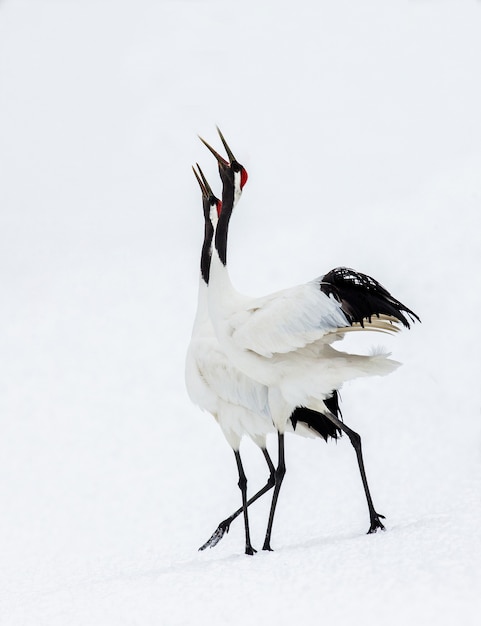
x=360, y=126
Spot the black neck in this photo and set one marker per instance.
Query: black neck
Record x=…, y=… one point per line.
x=206, y=253
x=222, y=229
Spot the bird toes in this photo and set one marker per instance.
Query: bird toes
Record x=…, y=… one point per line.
x=376, y=524
x=217, y=535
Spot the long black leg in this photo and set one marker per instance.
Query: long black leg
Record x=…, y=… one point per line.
x=270, y=464
x=355, y=439
x=279, y=476
x=224, y=526
x=243, y=487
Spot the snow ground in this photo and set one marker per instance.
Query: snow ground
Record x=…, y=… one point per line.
x=359, y=125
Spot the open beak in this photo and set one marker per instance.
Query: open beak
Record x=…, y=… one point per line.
x=227, y=149
x=201, y=184
x=204, y=185
x=207, y=193
x=220, y=159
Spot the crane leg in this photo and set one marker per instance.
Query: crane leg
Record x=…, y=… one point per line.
x=279, y=477
x=355, y=440
x=224, y=526
x=243, y=487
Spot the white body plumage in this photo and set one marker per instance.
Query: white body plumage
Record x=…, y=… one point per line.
x=238, y=403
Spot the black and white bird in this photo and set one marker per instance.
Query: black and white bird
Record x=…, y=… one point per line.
x=238, y=403
x=284, y=340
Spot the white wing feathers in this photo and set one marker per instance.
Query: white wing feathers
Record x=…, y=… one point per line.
x=286, y=320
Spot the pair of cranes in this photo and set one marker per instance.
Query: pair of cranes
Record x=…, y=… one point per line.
x=267, y=365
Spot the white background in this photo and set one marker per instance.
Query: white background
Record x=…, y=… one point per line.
x=359, y=124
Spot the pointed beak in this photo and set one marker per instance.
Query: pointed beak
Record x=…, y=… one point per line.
x=220, y=159
x=227, y=149
x=207, y=187
x=201, y=184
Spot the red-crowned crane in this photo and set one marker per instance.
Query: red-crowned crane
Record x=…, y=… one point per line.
x=238, y=403
x=284, y=340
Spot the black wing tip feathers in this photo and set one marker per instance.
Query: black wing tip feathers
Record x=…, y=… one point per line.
x=363, y=297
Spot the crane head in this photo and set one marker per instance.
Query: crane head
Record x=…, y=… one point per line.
x=231, y=171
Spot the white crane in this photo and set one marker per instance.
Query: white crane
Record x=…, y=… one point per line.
x=238, y=403
x=284, y=340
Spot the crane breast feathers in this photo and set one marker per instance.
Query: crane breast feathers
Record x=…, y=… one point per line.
x=287, y=320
